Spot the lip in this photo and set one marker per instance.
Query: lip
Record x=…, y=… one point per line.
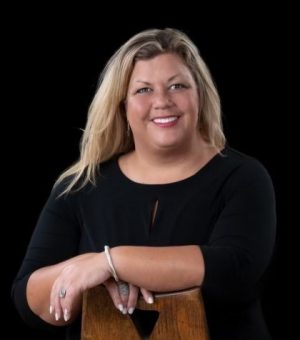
x=166, y=121
x=164, y=117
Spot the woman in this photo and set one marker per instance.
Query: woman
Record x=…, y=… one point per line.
x=156, y=183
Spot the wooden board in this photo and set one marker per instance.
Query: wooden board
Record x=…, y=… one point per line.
x=179, y=315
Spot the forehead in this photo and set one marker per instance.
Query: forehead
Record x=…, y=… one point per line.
x=162, y=65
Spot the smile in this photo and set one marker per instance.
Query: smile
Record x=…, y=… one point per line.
x=165, y=120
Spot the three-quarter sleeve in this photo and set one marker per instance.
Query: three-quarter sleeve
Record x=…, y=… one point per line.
x=241, y=243
x=55, y=238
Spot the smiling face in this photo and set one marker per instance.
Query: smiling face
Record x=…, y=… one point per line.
x=162, y=104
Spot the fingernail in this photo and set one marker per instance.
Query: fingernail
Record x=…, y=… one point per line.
x=130, y=310
x=56, y=316
x=150, y=299
x=120, y=307
x=66, y=315
x=124, y=311
x=51, y=309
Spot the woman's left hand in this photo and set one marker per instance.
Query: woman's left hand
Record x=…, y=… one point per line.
x=124, y=295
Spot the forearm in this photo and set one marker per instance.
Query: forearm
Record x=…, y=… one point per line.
x=159, y=269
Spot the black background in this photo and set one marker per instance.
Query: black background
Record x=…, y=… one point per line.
x=52, y=63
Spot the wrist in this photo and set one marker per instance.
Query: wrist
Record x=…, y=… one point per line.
x=110, y=263
x=104, y=267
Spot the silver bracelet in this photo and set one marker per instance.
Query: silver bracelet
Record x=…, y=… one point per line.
x=110, y=263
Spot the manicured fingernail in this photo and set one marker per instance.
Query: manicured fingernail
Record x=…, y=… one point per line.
x=130, y=310
x=51, y=309
x=66, y=315
x=120, y=307
x=150, y=299
x=124, y=311
x=56, y=316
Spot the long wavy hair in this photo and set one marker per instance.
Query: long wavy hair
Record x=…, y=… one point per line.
x=105, y=134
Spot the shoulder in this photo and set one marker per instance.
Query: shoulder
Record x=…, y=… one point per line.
x=106, y=172
x=244, y=164
x=246, y=171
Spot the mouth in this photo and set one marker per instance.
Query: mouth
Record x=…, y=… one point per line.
x=165, y=121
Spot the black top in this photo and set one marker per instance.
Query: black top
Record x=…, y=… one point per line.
x=227, y=208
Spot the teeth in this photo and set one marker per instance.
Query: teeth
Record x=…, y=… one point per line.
x=164, y=120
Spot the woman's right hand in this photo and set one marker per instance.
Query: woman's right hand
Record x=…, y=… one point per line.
x=124, y=296
x=77, y=275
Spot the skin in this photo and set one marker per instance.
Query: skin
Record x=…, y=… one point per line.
x=162, y=107
x=161, y=88
x=163, y=110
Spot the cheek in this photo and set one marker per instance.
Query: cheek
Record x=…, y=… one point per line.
x=191, y=106
x=137, y=109
x=188, y=103
x=195, y=105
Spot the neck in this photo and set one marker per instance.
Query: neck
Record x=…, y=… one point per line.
x=163, y=166
x=165, y=157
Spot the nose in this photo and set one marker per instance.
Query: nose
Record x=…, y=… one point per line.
x=162, y=100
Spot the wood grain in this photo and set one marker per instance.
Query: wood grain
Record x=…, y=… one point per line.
x=181, y=316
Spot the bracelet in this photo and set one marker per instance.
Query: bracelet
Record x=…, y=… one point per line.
x=110, y=263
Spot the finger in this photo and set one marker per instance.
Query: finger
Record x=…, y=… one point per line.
x=148, y=296
x=66, y=298
x=72, y=298
x=123, y=288
x=113, y=291
x=51, y=304
x=55, y=303
x=132, y=298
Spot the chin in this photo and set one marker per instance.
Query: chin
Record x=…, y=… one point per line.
x=168, y=145
x=168, y=141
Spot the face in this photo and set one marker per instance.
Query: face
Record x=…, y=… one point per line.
x=162, y=103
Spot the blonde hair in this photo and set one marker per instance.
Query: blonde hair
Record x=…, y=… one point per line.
x=105, y=134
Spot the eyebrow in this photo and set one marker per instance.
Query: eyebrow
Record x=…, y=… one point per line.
x=147, y=83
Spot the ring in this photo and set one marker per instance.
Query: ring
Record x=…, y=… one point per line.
x=123, y=288
x=62, y=293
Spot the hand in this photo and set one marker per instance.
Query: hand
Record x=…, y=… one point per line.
x=83, y=273
x=125, y=299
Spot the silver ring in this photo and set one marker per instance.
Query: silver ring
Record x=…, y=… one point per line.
x=123, y=288
x=62, y=293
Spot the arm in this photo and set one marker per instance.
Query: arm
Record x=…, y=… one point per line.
x=156, y=269
x=55, y=239
x=153, y=268
x=241, y=243
x=160, y=268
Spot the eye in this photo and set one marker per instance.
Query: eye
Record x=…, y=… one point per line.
x=144, y=90
x=177, y=86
